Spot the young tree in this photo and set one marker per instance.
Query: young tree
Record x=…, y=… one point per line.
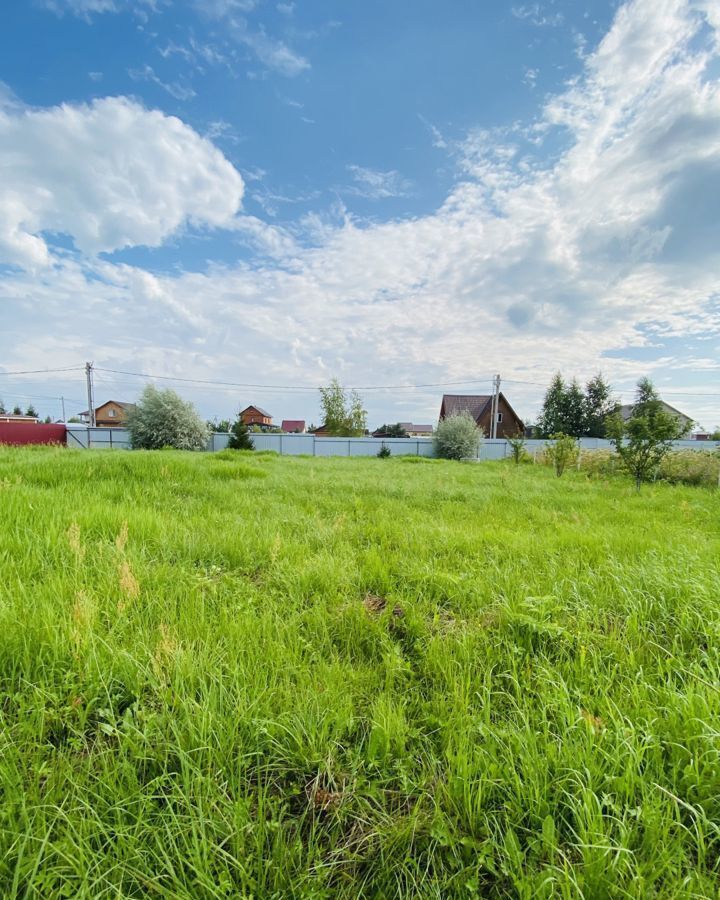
x=645, y=439
x=517, y=447
x=599, y=406
x=563, y=452
x=163, y=419
x=240, y=437
x=17, y=411
x=31, y=411
x=343, y=416
x=457, y=437
x=221, y=426
x=2, y=407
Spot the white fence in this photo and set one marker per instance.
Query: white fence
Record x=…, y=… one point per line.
x=81, y=436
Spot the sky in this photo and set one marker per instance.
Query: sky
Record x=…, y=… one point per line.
x=245, y=198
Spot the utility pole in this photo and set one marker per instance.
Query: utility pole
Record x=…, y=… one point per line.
x=495, y=406
x=62, y=400
x=90, y=393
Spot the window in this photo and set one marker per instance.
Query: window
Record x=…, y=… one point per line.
x=112, y=413
x=499, y=417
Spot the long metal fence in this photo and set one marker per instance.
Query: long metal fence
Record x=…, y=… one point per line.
x=308, y=445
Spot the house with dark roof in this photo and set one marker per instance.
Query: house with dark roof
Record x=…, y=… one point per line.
x=293, y=426
x=479, y=406
x=256, y=415
x=111, y=414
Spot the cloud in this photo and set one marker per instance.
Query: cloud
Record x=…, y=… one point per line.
x=438, y=139
x=377, y=185
x=538, y=14
x=530, y=77
x=85, y=9
x=175, y=89
x=110, y=174
x=271, y=52
x=578, y=260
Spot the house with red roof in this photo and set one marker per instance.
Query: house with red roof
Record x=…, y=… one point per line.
x=293, y=426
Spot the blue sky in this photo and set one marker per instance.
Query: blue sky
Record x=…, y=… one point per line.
x=394, y=193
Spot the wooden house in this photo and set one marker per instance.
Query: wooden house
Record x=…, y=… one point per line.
x=111, y=414
x=255, y=415
x=480, y=408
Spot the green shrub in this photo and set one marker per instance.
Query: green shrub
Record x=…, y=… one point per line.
x=384, y=452
x=162, y=419
x=691, y=467
x=563, y=452
x=457, y=437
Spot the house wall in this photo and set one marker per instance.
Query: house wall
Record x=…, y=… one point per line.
x=105, y=420
x=255, y=418
x=505, y=429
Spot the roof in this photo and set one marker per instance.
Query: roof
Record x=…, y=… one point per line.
x=259, y=409
x=121, y=403
x=627, y=408
x=409, y=426
x=475, y=404
x=293, y=425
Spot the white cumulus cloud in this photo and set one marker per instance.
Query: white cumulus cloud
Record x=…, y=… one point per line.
x=110, y=174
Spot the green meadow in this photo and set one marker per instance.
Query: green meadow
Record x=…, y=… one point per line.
x=240, y=675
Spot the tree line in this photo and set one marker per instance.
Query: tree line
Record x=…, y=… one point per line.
x=579, y=412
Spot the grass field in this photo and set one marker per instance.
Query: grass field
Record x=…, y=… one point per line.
x=251, y=676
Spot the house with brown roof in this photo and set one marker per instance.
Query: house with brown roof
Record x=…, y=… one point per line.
x=111, y=414
x=256, y=415
x=293, y=426
x=479, y=406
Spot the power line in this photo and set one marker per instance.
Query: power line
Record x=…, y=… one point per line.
x=12, y=395
x=294, y=387
x=44, y=371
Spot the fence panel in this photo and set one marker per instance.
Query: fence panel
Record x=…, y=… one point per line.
x=23, y=433
x=296, y=444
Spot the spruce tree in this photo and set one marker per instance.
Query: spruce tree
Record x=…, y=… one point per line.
x=552, y=417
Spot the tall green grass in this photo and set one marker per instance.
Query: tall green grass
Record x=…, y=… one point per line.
x=236, y=675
